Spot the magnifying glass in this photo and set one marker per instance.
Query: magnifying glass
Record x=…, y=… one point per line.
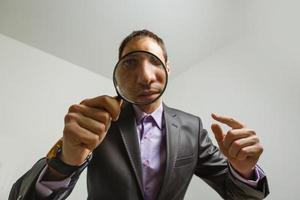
x=140, y=77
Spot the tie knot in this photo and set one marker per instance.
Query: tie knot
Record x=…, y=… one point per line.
x=146, y=119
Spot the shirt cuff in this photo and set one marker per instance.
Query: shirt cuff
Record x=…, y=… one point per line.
x=46, y=188
x=258, y=174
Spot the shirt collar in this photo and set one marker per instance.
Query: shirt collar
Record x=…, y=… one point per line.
x=156, y=115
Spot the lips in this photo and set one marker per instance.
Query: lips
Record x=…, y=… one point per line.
x=148, y=94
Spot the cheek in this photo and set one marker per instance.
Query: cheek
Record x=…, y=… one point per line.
x=126, y=77
x=161, y=76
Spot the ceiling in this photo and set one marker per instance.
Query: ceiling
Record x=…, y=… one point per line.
x=88, y=33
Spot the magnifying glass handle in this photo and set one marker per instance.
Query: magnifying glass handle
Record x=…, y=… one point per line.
x=118, y=97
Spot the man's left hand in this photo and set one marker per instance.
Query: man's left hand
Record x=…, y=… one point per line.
x=240, y=145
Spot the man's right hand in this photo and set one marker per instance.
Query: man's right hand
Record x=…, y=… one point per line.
x=86, y=125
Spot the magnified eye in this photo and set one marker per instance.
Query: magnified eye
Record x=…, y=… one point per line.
x=155, y=61
x=130, y=63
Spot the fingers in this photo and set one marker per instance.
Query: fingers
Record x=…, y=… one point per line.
x=238, y=146
x=228, y=121
x=87, y=115
x=253, y=151
x=81, y=137
x=97, y=127
x=218, y=132
x=96, y=120
x=110, y=104
x=236, y=134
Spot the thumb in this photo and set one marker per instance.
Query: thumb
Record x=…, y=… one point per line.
x=120, y=102
x=218, y=132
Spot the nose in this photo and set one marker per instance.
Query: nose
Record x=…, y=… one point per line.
x=145, y=75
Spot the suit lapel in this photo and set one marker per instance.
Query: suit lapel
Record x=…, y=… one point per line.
x=127, y=126
x=172, y=139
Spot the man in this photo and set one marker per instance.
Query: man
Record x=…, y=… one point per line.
x=145, y=151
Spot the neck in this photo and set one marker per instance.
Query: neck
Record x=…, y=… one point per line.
x=149, y=108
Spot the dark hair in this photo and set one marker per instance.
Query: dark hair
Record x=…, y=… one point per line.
x=141, y=34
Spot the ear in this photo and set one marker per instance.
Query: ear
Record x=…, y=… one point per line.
x=168, y=68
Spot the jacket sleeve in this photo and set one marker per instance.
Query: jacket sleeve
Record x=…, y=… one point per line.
x=24, y=188
x=213, y=168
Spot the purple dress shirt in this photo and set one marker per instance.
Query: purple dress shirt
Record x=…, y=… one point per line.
x=151, y=134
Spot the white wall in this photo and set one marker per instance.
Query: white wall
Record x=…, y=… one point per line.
x=36, y=91
x=258, y=83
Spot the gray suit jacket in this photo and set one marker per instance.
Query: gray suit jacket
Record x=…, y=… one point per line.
x=115, y=171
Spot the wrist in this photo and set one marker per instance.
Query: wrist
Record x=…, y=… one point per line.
x=247, y=174
x=73, y=157
x=60, y=167
x=52, y=174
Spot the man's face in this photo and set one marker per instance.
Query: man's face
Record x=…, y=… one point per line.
x=143, y=77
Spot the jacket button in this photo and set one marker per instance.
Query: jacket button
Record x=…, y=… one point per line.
x=20, y=197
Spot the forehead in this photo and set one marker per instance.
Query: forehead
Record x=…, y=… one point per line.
x=144, y=44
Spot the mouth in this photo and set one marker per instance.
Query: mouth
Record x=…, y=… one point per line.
x=148, y=94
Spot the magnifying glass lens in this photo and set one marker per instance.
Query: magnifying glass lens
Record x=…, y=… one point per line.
x=140, y=77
